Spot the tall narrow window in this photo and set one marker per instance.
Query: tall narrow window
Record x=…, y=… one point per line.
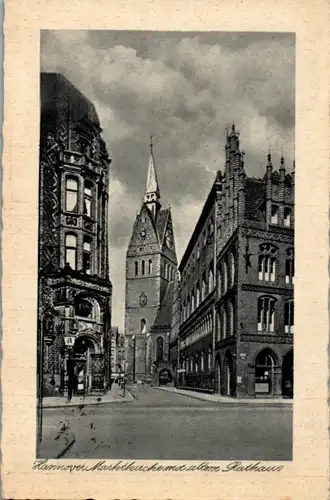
x=219, y=283
x=197, y=295
x=289, y=316
x=266, y=314
x=87, y=256
x=287, y=216
x=289, y=266
x=230, y=319
x=225, y=277
x=224, y=323
x=274, y=215
x=211, y=284
x=202, y=361
x=71, y=250
x=267, y=263
x=232, y=269
x=160, y=349
x=136, y=268
x=150, y=266
x=88, y=198
x=209, y=359
x=203, y=287
x=192, y=301
x=143, y=268
x=71, y=195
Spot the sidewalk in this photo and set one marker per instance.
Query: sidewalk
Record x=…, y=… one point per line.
x=216, y=398
x=114, y=395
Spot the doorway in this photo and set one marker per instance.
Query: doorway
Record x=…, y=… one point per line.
x=264, y=373
x=287, y=375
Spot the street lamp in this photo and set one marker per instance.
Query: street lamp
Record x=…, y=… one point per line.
x=134, y=347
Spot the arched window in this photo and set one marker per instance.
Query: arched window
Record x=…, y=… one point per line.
x=203, y=287
x=136, y=268
x=150, y=266
x=267, y=262
x=211, y=284
x=209, y=359
x=224, y=323
x=219, y=282
x=87, y=253
x=191, y=364
x=160, y=349
x=143, y=326
x=274, y=214
x=197, y=295
x=232, y=269
x=230, y=314
x=289, y=316
x=266, y=314
x=264, y=372
x=202, y=361
x=289, y=266
x=143, y=268
x=218, y=336
x=71, y=194
x=225, y=277
x=88, y=189
x=192, y=301
x=71, y=250
x=287, y=216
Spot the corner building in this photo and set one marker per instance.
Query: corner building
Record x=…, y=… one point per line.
x=151, y=267
x=74, y=286
x=237, y=339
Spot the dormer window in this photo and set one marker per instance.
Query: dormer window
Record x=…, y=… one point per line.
x=274, y=217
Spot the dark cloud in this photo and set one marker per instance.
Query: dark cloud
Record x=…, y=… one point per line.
x=185, y=88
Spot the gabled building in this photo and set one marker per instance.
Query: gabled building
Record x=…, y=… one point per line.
x=237, y=274
x=151, y=266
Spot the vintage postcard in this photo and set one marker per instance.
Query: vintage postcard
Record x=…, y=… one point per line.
x=165, y=251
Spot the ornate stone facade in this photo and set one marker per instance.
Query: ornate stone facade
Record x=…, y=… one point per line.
x=74, y=286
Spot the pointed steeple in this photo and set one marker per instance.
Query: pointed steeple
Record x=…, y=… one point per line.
x=152, y=194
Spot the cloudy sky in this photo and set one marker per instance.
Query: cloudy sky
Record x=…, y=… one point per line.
x=184, y=88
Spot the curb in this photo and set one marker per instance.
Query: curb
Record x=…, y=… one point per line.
x=234, y=403
x=83, y=404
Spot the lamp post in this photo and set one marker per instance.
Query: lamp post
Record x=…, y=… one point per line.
x=134, y=348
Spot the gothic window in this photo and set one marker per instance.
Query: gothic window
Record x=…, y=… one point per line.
x=289, y=266
x=88, y=198
x=192, y=301
x=150, y=266
x=267, y=263
x=143, y=325
x=225, y=277
x=266, y=314
x=87, y=256
x=160, y=349
x=218, y=323
x=209, y=359
x=143, y=268
x=287, y=216
x=219, y=282
x=188, y=306
x=136, y=268
x=202, y=361
x=274, y=214
x=71, y=250
x=288, y=316
x=197, y=295
x=230, y=314
x=224, y=323
x=211, y=284
x=71, y=195
x=232, y=269
x=203, y=287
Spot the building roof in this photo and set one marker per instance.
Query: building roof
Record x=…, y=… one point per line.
x=161, y=221
x=254, y=199
x=163, y=318
x=152, y=185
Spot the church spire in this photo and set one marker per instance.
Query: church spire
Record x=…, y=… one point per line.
x=152, y=194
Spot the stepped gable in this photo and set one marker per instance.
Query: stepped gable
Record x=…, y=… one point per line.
x=254, y=199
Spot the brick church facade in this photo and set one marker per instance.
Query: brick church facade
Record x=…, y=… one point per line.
x=237, y=277
x=151, y=267
x=74, y=287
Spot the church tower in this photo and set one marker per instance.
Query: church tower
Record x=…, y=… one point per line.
x=151, y=266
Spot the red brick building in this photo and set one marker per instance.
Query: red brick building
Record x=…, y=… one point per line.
x=237, y=338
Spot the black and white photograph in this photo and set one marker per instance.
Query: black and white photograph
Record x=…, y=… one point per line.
x=166, y=249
